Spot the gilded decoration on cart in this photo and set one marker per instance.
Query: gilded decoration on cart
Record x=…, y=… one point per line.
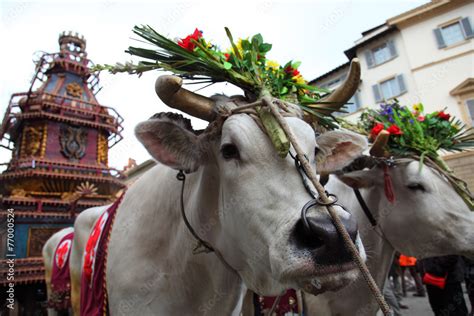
x=73, y=142
x=33, y=141
x=74, y=89
x=102, y=149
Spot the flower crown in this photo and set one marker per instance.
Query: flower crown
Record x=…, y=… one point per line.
x=244, y=64
x=412, y=133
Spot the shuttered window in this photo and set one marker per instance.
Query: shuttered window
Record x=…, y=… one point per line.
x=470, y=107
x=351, y=106
x=454, y=33
x=389, y=88
x=380, y=54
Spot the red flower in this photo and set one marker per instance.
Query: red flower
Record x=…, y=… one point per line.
x=227, y=56
x=187, y=43
x=443, y=116
x=292, y=71
x=376, y=130
x=394, y=130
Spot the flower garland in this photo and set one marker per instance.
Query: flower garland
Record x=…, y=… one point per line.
x=244, y=64
x=416, y=134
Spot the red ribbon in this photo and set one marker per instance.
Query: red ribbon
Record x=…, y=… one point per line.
x=388, y=185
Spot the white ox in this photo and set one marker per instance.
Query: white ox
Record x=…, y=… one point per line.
x=427, y=219
x=241, y=198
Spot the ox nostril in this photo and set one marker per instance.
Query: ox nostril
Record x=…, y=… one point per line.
x=319, y=236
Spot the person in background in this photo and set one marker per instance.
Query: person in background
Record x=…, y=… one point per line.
x=469, y=277
x=409, y=263
x=443, y=277
x=394, y=274
x=391, y=298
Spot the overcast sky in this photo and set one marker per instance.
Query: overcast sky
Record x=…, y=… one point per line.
x=314, y=32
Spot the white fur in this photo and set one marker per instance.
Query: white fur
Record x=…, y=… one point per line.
x=246, y=209
x=82, y=229
x=421, y=224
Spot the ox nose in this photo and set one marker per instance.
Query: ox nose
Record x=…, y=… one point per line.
x=322, y=239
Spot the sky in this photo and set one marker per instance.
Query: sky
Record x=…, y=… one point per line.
x=313, y=32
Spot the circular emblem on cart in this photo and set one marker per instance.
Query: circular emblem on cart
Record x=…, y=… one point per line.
x=90, y=252
x=62, y=253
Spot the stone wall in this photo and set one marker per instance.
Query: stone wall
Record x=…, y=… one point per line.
x=463, y=166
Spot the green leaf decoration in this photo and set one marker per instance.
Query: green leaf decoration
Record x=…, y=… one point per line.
x=422, y=136
x=245, y=64
x=274, y=131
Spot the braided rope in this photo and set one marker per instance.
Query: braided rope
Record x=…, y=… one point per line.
x=267, y=100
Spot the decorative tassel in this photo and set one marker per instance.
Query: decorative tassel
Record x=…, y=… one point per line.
x=388, y=185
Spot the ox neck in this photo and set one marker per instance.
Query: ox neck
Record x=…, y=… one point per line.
x=380, y=250
x=220, y=289
x=168, y=279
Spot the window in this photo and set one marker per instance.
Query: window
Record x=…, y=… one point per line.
x=354, y=103
x=470, y=108
x=351, y=106
x=389, y=88
x=453, y=33
x=381, y=54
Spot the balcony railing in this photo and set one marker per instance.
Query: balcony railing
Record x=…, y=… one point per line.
x=26, y=105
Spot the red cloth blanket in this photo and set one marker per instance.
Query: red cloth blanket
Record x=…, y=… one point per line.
x=93, y=285
x=60, y=296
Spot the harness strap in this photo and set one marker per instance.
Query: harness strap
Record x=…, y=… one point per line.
x=365, y=208
x=201, y=242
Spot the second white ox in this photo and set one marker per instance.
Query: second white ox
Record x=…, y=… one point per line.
x=427, y=219
x=242, y=199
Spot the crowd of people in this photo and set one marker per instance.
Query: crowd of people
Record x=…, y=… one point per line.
x=439, y=278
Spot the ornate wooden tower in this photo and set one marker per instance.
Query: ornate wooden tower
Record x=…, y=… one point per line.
x=59, y=136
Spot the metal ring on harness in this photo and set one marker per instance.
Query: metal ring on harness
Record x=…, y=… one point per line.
x=312, y=203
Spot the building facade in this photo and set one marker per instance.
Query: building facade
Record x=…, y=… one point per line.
x=423, y=55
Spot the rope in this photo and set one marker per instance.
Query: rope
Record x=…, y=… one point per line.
x=267, y=100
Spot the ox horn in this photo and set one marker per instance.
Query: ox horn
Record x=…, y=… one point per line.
x=169, y=90
x=344, y=92
x=378, y=148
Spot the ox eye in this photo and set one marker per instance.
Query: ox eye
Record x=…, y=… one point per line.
x=230, y=151
x=416, y=187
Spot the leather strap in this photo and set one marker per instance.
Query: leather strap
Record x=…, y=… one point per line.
x=365, y=208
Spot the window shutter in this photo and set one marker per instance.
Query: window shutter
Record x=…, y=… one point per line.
x=377, y=94
x=392, y=48
x=401, y=84
x=470, y=107
x=439, y=38
x=369, y=57
x=467, y=28
x=357, y=101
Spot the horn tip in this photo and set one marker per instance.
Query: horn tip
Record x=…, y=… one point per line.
x=167, y=85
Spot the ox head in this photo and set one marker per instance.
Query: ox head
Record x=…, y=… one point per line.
x=255, y=196
x=428, y=217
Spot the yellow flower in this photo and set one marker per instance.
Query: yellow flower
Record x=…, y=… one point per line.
x=239, y=46
x=299, y=79
x=271, y=64
x=417, y=107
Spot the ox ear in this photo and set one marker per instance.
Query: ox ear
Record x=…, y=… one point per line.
x=357, y=179
x=170, y=139
x=338, y=149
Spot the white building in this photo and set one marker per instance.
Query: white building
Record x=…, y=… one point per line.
x=422, y=55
